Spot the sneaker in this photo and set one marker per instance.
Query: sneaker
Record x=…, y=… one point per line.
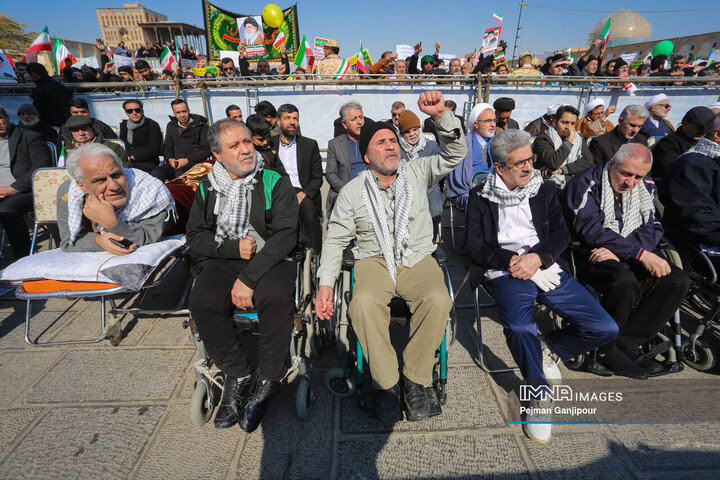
x=538, y=411
x=550, y=365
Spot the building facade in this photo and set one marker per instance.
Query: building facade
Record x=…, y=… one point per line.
x=123, y=25
x=700, y=45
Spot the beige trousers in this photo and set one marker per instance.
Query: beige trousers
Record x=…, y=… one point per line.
x=423, y=288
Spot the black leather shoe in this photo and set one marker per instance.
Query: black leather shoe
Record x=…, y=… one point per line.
x=594, y=366
x=257, y=404
x=621, y=364
x=415, y=400
x=433, y=402
x=227, y=412
x=387, y=405
x=652, y=367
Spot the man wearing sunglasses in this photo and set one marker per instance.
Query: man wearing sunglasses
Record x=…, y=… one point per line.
x=631, y=120
x=516, y=233
x=142, y=137
x=656, y=125
x=227, y=68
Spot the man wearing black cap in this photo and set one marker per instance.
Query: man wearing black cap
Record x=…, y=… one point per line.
x=503, y=109
x=385, y=210
x=669, y=148
x=82, y=132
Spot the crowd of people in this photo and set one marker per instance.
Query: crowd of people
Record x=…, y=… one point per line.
x=565, y=174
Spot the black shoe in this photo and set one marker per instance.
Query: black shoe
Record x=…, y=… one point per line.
x=593, y=365
x=652, y=367
x=433, y=402
x=415, y=400
x=227, y=412
x=387, y=405
x=256, y=406
x=621, y=364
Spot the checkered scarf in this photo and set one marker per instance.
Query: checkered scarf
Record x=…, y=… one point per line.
x=511, y=197
x=233, y=220
x=706, y=147
x=637, y=205
x=394, y=250
x=148, y=197
x=413, y=151
x=575, y=152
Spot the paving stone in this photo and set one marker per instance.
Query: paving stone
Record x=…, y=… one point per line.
x=20, y=369
x=207, y=452
x=286, y=447
x=13, y=422
x=166, y=331
x=430, y=456
x=43, y=324
x=470, y=404
x=97, y=443
x=110, y=374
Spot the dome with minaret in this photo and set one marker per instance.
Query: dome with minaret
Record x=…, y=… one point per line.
x=626, y=27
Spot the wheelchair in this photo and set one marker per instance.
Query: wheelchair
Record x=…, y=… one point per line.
x=303, y=344
x=345, y=382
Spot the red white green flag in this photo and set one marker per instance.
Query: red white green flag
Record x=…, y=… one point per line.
x=497, y=17
x=361, y=65
x=41, y=44
x=280, y=39
x=605, y=34
x=60, y=52
x=167, y=59
x=305, y=58
x=343, y=70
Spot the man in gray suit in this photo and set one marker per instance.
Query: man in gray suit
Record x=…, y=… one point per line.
x=344, y=161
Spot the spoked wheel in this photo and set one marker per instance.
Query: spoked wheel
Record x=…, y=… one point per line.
x=303, y=397
x=701, y=358
x=338, y=384
x=668, y=356
x=201, y=405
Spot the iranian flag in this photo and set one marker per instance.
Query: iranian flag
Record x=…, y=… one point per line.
x=500, y=58
x=605, y=34
x=343, y=70
x=41, y=44
x=60, y=53
x=361, y=65
x=497, y=17
x=305, y=58
x=166, y=59
x=280, y=39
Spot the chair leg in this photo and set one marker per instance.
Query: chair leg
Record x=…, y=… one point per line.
x=34, y=239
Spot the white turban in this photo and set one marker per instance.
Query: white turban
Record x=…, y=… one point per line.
x=714, y=105
x=477, y=110
x=655, y=100
x=594, y=104
x=552, y=109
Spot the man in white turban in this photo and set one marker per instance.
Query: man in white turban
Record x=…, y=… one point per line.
x=595, y=121
x=656, y=125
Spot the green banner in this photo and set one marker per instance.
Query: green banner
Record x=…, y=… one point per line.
x=222, y=32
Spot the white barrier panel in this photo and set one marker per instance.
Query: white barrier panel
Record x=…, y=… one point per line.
x=319, y=104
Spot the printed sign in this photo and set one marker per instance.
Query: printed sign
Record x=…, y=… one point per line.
x=201, y=72
x=628, y=57
x=318, y=49
x=122, y=61
x=7, y=74
x=252, y=36
x=714, y=56
x=491, y=37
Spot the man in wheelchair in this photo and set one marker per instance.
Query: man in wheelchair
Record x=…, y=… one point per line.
x=516, y=233
x=242, y=227
x=610, y=210
x=108, y=207
x=385, y=210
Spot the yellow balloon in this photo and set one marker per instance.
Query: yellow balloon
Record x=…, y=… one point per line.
x=272, y=15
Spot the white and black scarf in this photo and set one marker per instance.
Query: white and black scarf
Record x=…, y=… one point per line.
x=637, y=205
x=511, y=197
x=706, y=147
x=395, y=249
x=233, y=219
x=574, y=154
x=413, y=151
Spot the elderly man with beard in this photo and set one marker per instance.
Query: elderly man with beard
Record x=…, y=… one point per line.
x=29, y=119
x=561, y=151
x=385, y=211
x=516, y=234
x=105, y=204
x=595, y=121
x=482, y=121
x=656, y=125
x=242, y=227
x=627, y=130
x=80, y=131
x=504, y=107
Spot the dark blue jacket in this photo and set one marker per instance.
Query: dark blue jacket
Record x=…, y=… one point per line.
x=582, y=203
x=482, y=230
x=650, y=130
x=691, y=196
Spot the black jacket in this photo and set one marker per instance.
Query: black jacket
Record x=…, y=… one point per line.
x=604, y=146
x=28, y=152
x=309, y=167
x=144, y=152
x=537, y=126
x=482, y=232
x=278, y=225
x=99, y=126
x=191, y=144
x=550, y=158
x=52, y=101
x=46, y=131
x=668, y=149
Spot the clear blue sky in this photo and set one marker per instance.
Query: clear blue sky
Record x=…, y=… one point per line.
x=457, y=24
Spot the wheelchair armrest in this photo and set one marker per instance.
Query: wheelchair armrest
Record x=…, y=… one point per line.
x=440, y=256
x=348, y=260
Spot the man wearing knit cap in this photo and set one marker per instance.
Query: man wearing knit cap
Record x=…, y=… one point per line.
x=656, y=125
x=330, y=65
x=414, y=145
x=385, y=211
x=503, y=109
x=541, y=124
x=669, y=148
x=29, y=119
x=595, y=121
x=482, y=121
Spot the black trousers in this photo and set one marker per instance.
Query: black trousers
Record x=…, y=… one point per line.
x=212, y=309
x=640, y=303
x=166, y=172
x=12, y=218
x=310, y=220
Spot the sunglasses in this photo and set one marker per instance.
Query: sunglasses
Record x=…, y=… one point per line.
x=133, y=110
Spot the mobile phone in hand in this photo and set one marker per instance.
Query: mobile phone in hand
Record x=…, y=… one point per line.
x=124, y=243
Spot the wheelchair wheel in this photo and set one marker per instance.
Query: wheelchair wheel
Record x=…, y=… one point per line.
x=338, y=384
x=700, y=303
x=702, y=358
x=667, y=357
x=201, y=405
x=115, y=335
x=303, y=397
x=575, y=363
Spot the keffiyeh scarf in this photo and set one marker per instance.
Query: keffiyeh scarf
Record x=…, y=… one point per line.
x=637, y=205
x=511, y=197
x=706, y=147
x=575, y=152
x=396, y=249
x=413, y=151
x=233, y=219
x=148, y=197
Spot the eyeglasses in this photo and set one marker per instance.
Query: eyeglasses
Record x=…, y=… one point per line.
x=518, y=165
x=489, y=120
x=228, y=69
x=133, y=110
x=666, y=107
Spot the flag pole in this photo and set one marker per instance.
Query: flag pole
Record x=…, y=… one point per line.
x=517, y=30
